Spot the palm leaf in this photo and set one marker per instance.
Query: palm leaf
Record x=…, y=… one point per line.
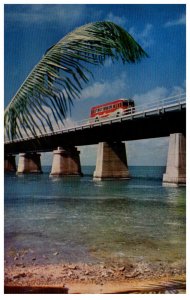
x=60, y=75
x=168, y=287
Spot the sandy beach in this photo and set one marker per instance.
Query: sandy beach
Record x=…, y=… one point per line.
x=96, y=279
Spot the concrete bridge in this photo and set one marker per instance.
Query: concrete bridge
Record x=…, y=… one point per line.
x=166, y=117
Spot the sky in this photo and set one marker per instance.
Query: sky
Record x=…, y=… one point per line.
x=29, y=30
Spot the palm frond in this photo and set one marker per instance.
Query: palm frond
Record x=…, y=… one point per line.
x=59, y=77
x=168, y=287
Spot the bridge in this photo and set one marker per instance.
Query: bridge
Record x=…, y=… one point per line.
x=160, y=118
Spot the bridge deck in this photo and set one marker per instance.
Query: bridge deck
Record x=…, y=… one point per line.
x=157, y=121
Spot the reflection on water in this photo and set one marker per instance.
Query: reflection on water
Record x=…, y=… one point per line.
x=89, y=221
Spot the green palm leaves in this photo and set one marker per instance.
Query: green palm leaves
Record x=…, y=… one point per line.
x=58, y=79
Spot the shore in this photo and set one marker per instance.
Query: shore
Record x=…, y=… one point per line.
x=99, y=278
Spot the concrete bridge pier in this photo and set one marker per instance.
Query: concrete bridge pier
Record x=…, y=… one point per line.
x=66, y=162
x=111, y=161
x=9, y=163
x=176, y=162
x=29, y=163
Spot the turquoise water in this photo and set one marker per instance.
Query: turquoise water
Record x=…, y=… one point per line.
x=81, y=220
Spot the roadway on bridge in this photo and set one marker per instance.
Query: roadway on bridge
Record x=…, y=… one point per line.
x=159, y=121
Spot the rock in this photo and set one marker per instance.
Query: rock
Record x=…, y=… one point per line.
x=15, y=258
x=82, y=278
x=132, y=275
x=92, y=278
x=19, y=275
x=73, y=267
x=63, y=272
x=34, y=258
x=86, y=273
x=122, y=269
x=56, y=253
x=8, y=279
x=18, y=265
x=70, y=273
x=103, y=267
x=110, y=271
x=146, y=270
x=104, y=274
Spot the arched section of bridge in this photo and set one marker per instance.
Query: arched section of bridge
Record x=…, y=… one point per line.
x=111, y=161
x=66, y=162
x=29, y=163
x=176, y=161
x=9, y=163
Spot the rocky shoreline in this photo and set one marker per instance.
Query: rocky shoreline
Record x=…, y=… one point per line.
x=99, y=275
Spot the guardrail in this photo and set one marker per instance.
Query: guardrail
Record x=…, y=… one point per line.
x=155, y=105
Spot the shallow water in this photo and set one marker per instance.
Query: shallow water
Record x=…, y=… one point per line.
x=80, y=220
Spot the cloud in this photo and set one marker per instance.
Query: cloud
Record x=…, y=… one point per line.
x=94, y=91
x=176, y=22
x=143, y=37
x=109, y=88
x=177, y=90
x=69, y=123
x=40, y=14
x=119, y=20
x=158, y=93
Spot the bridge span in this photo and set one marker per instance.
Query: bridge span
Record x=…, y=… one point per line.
x=161, y=118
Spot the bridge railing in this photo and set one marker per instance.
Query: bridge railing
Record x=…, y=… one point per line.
x=150, y=106
x=147, y=107
x=160, y=103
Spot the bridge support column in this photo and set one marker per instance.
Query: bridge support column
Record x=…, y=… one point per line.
x=111, y=161
x=176, y=162
x=9, y=163
x=66, y=162
x=29, y=163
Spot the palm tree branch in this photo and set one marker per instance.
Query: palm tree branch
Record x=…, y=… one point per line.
x=59, y=76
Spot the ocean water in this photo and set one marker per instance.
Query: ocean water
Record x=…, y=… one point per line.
x=76, y=219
